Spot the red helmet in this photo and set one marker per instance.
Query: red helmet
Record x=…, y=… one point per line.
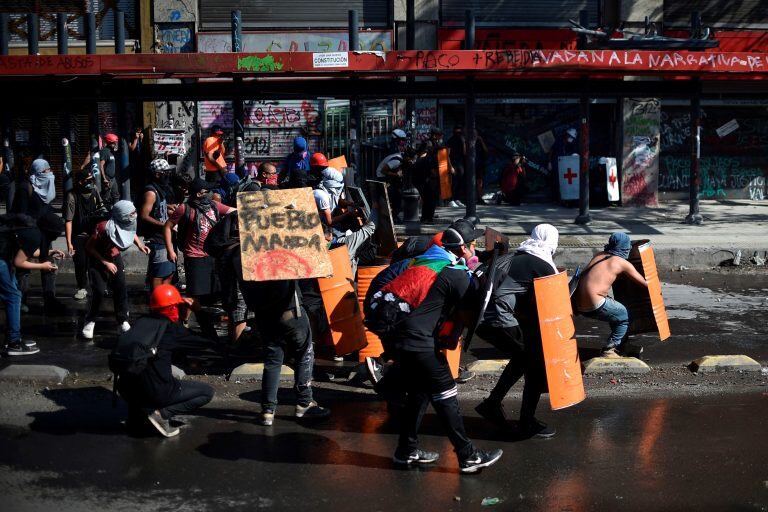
x=110, y=138
x=318, y=160
x=164, y=296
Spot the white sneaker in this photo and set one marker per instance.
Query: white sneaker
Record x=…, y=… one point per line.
x=87, y=331
x=454, y=204
x=461, y=205
x=80, y=294
x=124, y=327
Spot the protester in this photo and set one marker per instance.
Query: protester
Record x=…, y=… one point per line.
x=158, y=202
x=195, y=218
x=107, y=158
x=422, y=168
x=105, y=265
x=213, y=155
x=513, y=181
x=328, y=190
x=425, y=375
x=83, y=210
x=355, y=240
x=148, y=386
x=481, y=162
x=457, y=147
x=297, y=164
x=390, y=170
x=532, y=259
x=592, y=294
x=267, y=176
x=21, y=242
x=92, y=161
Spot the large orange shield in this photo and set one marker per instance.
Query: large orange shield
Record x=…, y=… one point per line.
x=444, y=173
x=645, y=305
x=341, y=306
x=561, y=356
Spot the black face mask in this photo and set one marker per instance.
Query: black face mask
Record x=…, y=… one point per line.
x=88, y=186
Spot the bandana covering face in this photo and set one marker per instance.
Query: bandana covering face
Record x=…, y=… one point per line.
x=42, y=182
x=121, y=227
x=332, y=181
x=542, y=244
x=170, y=312
x=619, y=245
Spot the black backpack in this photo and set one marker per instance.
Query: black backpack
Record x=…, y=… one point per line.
x=223, y=236
x=10, y=223
x=136, y=347
x=245, y=184
x=412, y=247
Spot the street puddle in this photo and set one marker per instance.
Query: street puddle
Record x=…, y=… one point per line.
x=687, y=302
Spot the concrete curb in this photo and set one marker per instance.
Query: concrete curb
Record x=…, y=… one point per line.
x=487, y=366
x=739, y=362
x=623, y=366
x=34, y=373
x=256, y=370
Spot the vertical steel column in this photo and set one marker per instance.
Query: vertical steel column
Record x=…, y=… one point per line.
x=410, y=44
x=33, y=33
x=62, y=34
x=238, y=110
x=694, y=216
x=354, y=33
x=119, y=31
x=4, y=33
x=583, y=217
x=469, y=122
x=89, y=27
x=355, y=110
x=90, y=33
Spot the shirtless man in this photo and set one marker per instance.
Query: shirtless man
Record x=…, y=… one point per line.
x=592, y=298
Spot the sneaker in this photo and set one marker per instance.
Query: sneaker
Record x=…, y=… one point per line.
x=374, y=369
x=626, y=350
x=80, y=294
x=493, y=412
x=416, y=457
x=87, y=331
x=479, y=460
x=338, y=359
x=464, y=375
x=535, y=428
x=460, y=204
x=17, y=348
x=312, y=411
x=610, y=353
x=267, y=418
x=162, y=425
x=29, y=343
x=454, y=204
x=124, y=327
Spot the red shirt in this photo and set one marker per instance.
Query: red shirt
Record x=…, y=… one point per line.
x=103, y=244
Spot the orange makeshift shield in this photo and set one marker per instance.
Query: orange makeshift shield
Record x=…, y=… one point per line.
x=365, y=275
x=444, y=173
x=645, y=305
x=339, y=163
x=561, y=356
x=341, y=306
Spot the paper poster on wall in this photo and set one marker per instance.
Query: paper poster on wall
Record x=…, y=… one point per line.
x=168, y=142
x=568, y=170
x=642, y=126
x=330, y=60
x=281, y=236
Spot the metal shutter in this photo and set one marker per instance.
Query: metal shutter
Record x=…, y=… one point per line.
x=216, y=14
x=514, y=13
x=717, y=13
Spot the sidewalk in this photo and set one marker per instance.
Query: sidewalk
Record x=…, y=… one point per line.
x=728, y=226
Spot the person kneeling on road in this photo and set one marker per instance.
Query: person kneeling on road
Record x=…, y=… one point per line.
x=595, y=283
x=141, y=362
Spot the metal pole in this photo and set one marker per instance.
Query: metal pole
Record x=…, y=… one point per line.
x=694, y=216
x=119, y=32
x=33, y=33
x=4, y=17
x=354, y=31
x=583, y=217
x=90, y=33
x=469, y=121
x=62, y=34
x=410, y=44
x=238, y=109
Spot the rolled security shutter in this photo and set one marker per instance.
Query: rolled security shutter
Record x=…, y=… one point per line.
x=216, y=14
x=747, y=14
x=512, y=13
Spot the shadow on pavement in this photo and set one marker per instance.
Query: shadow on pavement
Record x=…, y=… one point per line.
x=85, y=410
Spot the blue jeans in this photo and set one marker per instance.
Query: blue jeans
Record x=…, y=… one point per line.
x=617, y=317
x=10, y=294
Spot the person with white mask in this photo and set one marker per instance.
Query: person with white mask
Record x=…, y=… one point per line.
x=105, y=264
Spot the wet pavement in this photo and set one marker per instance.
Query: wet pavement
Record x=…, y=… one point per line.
x=66, y=449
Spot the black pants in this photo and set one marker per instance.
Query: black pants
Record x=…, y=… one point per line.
x=80, y=259
x=430, y=192
x=99, y=279
x=187, y=397
x=47, y=279
x=458, y=182
x=427, y=378
x=509, y=340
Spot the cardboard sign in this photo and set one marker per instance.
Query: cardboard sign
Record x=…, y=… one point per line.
x=492, y=236
x=382, y=216
x=444, y=173
x=168, y=142
x=645, y=305
x=568, y=172
x=342, y=308
x=561, y=356
x=612, y=177
x=339, y=163
x=281, y=236
x=355, y=194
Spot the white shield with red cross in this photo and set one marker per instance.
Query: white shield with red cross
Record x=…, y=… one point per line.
x=612, y=177
x=568, y=169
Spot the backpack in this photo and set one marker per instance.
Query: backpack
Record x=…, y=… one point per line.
x=183, y=224
x=9, y=224
x=412, y=247
x=223, y=236
x=245, y=184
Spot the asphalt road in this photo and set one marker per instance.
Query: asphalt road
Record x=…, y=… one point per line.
x=66, y=450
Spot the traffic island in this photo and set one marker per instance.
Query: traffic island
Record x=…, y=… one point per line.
x=256, y=370
x=609, y=365
x=34, y=373
x=487, y=366
x=711, y=364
